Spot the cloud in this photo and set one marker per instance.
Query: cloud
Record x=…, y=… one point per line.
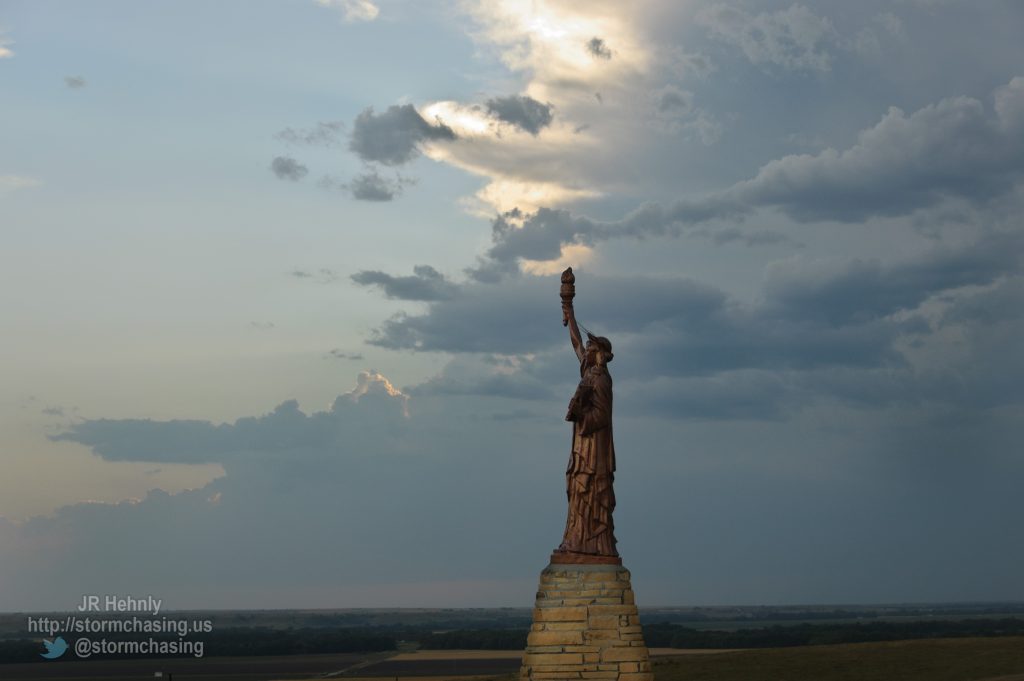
x=860, y=332
x=353, y=10
x=285, y=428
x=5, y=52
x=74, y=82
x=674, y=109
x=840, y=293
x=371, y=186
x=545, y=234
x=425, y=284
x=504, y=319
x=336, y=353
x=793, y=38
x=523, y=112
x=903, y=164
x=323, y=134
x=868, y=40
x=323, y=275
x=392, y=137
x=287, y=168
x=263, y=326
x=487, y=376
x=597, y=47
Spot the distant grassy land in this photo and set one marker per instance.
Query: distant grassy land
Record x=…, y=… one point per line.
x=961, y=659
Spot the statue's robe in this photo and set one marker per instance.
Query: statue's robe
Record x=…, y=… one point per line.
x=589, y=528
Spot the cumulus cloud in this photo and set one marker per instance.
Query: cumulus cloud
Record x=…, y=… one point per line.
x=425, y=284
x=392, y=137
x=522, y=111
x=287, y=168
x=285, y=428
x=74, y=82
x=5, y=52
x=840, y=293
x=353, y=10
x=323, y=134
x=901, y=165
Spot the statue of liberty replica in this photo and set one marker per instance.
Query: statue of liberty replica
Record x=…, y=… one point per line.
x=589, y=530
x=585, y=623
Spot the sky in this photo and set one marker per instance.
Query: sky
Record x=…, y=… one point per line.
x=280, y=315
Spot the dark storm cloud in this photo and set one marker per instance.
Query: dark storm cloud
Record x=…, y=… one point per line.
x=392, y=137
x=823, y=328
x=901, y=165
x=287, y=168
x=425, y=284
x=503, y=319
x=541, y=235
x=74, y=82
x=953, y=149
x=285, y=429
x=361, y=474
x=597, y=48
x=675, y=327
x=861, y=290
x=522, y=111
x=145, y=440
x=465, y=376
x=323, y=134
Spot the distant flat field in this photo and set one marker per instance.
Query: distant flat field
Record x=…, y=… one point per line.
x=958, y=659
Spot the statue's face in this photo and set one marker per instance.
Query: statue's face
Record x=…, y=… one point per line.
x=591, y=351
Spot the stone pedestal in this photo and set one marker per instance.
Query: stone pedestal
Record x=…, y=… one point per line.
x=585, y=626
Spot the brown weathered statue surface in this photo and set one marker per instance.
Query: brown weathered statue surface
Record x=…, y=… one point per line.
x=589, y=531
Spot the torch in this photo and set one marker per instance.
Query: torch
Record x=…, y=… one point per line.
x=568, y=292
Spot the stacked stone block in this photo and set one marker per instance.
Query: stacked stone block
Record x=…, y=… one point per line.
x=585, y=626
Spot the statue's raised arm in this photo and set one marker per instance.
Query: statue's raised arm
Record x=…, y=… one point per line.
x=568, y=292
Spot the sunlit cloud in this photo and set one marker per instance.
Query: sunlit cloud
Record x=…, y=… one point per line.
x=554, y=43
x=507, y=194
x=526, y=170
x=573, y=255
x=373, y=382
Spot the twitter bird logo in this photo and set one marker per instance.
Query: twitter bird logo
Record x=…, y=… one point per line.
x=54, y=648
